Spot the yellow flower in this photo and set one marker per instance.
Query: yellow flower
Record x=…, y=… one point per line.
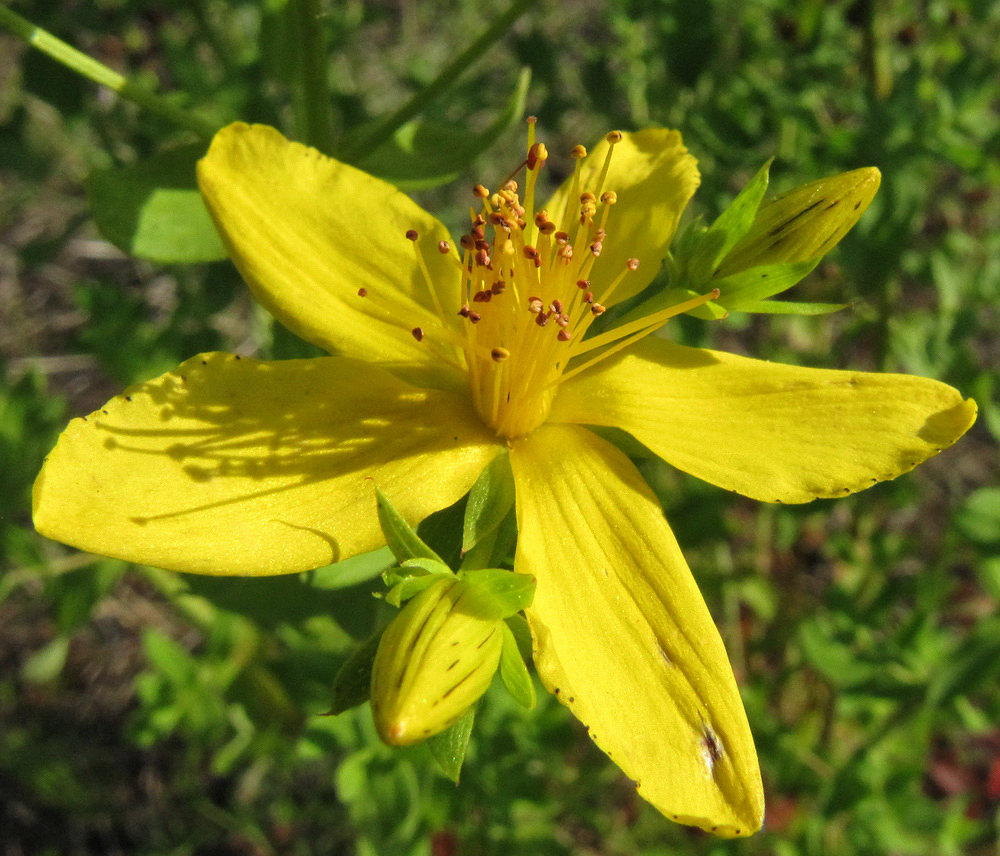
x=444, y=354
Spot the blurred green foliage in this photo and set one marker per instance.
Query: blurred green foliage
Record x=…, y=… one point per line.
x=143, y=712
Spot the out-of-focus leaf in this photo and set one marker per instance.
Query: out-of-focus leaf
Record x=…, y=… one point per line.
x=153, y=209
x=423, y=154
x=979, y=517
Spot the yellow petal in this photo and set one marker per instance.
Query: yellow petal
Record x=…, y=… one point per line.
x=622, y=635
x=773, y=432
x=654, y=177
x=233, y=466
x=307, y=232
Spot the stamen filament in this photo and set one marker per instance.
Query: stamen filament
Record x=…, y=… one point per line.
x=412, y=236
x=646, y=324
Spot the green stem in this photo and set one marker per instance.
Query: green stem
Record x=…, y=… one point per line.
x=313, y=101
x=383, y=130
x=90, y=68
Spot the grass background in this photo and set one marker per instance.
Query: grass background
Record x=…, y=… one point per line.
x=149, y=713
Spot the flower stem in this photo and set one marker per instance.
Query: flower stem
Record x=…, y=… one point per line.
x=313, y=108
x=383, y=130
x=90, y=68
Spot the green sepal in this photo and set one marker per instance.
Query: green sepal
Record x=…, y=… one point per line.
x=494, y=549
x=496, y=593
x=792, y=307
x=408, y=587
x=449, y=747
x=399, y=535
x=411, y=578
x=747, y=287
x=491, y=498
x=518, y=625
x=514, y=671
x=731, y=225
x=711, y=311
x=429, y=566
x=353, y=682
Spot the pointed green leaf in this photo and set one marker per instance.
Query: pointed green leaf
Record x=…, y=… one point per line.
x=425, y=566
x=403, y=588
x=791, y=307
x=153, y=209
x=491, y=498
x=353, y=681
x=349, y=572
x=496, y=548
x=514, y=672
x=499, y=593
x=759, y=283
x=730, y=226
x=449, y=747
x=399, y=535
x=518, y=625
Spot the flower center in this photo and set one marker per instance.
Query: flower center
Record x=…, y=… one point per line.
x=527, y=299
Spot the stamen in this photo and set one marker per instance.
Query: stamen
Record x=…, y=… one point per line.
x=644, y=326
x=412, y=236
x=613, y=138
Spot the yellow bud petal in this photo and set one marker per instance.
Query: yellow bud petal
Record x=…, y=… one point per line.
x=434, y=661
x=804, y=223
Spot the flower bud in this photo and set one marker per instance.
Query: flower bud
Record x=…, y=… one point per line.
x=805, y=223
x=434, y=660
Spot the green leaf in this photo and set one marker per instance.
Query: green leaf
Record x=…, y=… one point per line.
x=495, y=549
x=791, y=307
x=349, y=572
x=514, y=672
x=412, y=578
x=45, y=664
x=518, y=625
x=403, y=588
x=153, y=209
x=491, y=498
x=978, y=519
x=449, y=747
x=353, y=681
x=758, y=283
x=399, y=535
x=428, y=566
x=504, y=592
x=731, y=225
x=423, y=154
